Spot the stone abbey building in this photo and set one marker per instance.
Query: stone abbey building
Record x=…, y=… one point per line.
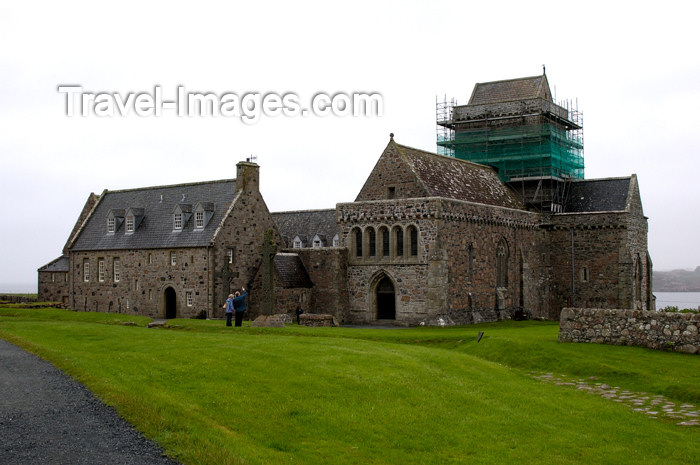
x=430, y=238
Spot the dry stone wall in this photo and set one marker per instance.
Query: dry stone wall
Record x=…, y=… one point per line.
x=655, y=330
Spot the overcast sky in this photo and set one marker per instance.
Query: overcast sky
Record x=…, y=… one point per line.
x=634, y=70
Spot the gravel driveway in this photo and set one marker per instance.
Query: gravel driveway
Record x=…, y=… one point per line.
x=47, y=418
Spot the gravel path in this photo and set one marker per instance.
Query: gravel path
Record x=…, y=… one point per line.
x=47, y=418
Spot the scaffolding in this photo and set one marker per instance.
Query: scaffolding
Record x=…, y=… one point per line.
x=445, y=132
x=535, y=145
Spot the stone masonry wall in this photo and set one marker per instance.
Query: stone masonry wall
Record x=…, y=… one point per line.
x=655, y=330
x=469, y=229
x=419, y=281
x=242, y=233
x=391, y=171
x=53, y=286
x=143, y=277
x=328, y=270
x=438, y=283
x=605, y=248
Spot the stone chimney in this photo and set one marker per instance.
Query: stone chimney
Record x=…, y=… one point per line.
x=247, y=176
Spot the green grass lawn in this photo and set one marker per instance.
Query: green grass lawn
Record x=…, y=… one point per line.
x=215, y=395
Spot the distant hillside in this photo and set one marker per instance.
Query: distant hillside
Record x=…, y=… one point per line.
x=677, y=281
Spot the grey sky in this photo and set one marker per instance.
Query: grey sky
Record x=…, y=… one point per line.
x=634, y=70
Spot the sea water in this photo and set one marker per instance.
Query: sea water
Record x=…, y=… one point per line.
x=677, y=299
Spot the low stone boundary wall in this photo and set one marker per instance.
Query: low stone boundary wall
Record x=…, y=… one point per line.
x=311, y=319
x=17, y=299
x=655, y=330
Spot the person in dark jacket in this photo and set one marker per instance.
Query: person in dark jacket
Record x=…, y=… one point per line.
x=299, y=312
x=239, y=306
x=228, y=307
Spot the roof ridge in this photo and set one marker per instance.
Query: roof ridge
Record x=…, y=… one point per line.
x=305, y=211
x=168, y=186
x=611, y=178
x=511, y=80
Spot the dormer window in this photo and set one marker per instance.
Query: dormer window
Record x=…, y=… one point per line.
x=134, y=216
x=297, y=244
x=115, y=218
x=336, y=241
x=203, y=211
x=181, y=215
x=318, y=240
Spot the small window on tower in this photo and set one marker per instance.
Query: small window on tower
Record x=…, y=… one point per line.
x=391, y=192
x=584, y=274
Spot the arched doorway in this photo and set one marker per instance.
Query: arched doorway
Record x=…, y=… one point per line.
x=170, y=303
x=386, y=300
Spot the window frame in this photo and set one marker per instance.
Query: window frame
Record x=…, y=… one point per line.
x=116, y=270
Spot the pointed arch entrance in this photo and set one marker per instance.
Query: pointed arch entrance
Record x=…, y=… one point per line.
x=170, y=303
x=385, y=298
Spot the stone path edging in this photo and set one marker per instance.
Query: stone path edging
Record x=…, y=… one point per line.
x=655, y=406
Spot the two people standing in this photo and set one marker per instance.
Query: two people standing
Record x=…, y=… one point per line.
x=235, y=304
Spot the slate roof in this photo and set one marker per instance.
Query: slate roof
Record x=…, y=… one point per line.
x=61, y=264
x=156, y=227
x=459, y=179
x=598, y=195
x=511, y=89
x=306, y=224
x=292, y=271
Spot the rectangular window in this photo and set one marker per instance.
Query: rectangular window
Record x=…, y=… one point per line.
x=150, y=259
x=189, y=298
x=173, y=258
x=229, y=255
x=399, y=242
x=177, y=224
x=199, y=219
x=86, y=270
x=391, y=192
x=130, y=224
x=117, y=270
x=385, y=242
x=110, y=225
x=101, y=270
x=414, y=242
x=53, y=277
